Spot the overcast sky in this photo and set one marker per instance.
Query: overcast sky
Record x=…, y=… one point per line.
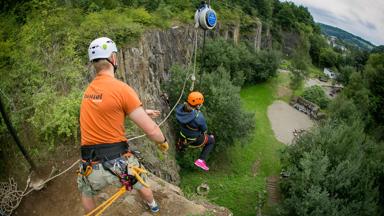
x=364, y=18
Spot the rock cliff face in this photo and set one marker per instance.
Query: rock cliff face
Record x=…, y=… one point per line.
x=145, y=66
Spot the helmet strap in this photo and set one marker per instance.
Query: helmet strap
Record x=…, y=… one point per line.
x=114, y=65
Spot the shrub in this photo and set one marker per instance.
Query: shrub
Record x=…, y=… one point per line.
x=116, y=24
x=332, y=171
x=243, y=64
x=265, y=66
x=316, y=95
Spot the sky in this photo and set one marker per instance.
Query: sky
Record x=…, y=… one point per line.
x=364, y=18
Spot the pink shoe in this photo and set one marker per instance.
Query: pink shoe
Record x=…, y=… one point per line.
x=201, y=163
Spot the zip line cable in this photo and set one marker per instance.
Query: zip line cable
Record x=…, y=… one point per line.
x=193, y=78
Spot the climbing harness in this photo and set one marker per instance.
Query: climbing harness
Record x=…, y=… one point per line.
x=185, y=141
x=127, y=173
x=103, y=152
x=86, y=168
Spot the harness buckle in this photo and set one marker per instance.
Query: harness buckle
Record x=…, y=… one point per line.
x=86, y=168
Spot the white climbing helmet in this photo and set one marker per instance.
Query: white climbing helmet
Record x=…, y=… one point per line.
x=101, y=48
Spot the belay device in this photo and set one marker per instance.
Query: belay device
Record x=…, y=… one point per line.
x=205, y=17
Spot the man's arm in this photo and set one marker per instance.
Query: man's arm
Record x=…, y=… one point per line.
x=150, y=128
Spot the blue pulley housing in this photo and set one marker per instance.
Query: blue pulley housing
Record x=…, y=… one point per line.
x=205, y=17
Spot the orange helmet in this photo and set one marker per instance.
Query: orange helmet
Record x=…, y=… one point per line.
x=195, y=98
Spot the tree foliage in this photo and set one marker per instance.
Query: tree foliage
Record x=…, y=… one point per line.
x=344, y=74
x=337, y=169
x=43, y=64
x=318, y=42
x=328, y=58
x=289, y=16
x=243, y=64
x=374, y=71
x=332, y=171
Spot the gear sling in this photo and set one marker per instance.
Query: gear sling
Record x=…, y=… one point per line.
x=104, y=153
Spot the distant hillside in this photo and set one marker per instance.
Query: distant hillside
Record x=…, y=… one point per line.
x=346, y=37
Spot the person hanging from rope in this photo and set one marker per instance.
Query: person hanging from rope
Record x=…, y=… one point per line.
x=106, y=102
x=194, y=128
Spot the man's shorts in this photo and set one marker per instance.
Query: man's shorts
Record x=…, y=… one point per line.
x=100, y=177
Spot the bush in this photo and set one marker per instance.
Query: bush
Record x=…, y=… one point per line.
x=119, y=25
x=59, y=119
x=243, y=64
x=332, y=171
x=265, y=66
x=316, y=95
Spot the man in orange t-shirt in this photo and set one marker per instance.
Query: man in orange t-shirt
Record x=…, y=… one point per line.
x=105, y=104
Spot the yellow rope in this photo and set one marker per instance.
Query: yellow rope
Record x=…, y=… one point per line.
x=136, y=171
x=101, y=208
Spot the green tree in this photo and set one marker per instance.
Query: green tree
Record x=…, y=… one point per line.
x=329, y=58
x=286, y=16
x=374, y=71
x=241, y=62
x=344, y=74
x=317, y=42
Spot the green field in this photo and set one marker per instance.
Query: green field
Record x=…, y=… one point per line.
x=233, y=179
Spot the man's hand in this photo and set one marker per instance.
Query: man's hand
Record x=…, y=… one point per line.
x=163, y=146
x=152, y=113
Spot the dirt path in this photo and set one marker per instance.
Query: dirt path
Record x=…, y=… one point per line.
x=274, y=196
x=285, y=119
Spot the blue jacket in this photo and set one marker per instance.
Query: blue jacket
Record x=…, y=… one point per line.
x=192, y=124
